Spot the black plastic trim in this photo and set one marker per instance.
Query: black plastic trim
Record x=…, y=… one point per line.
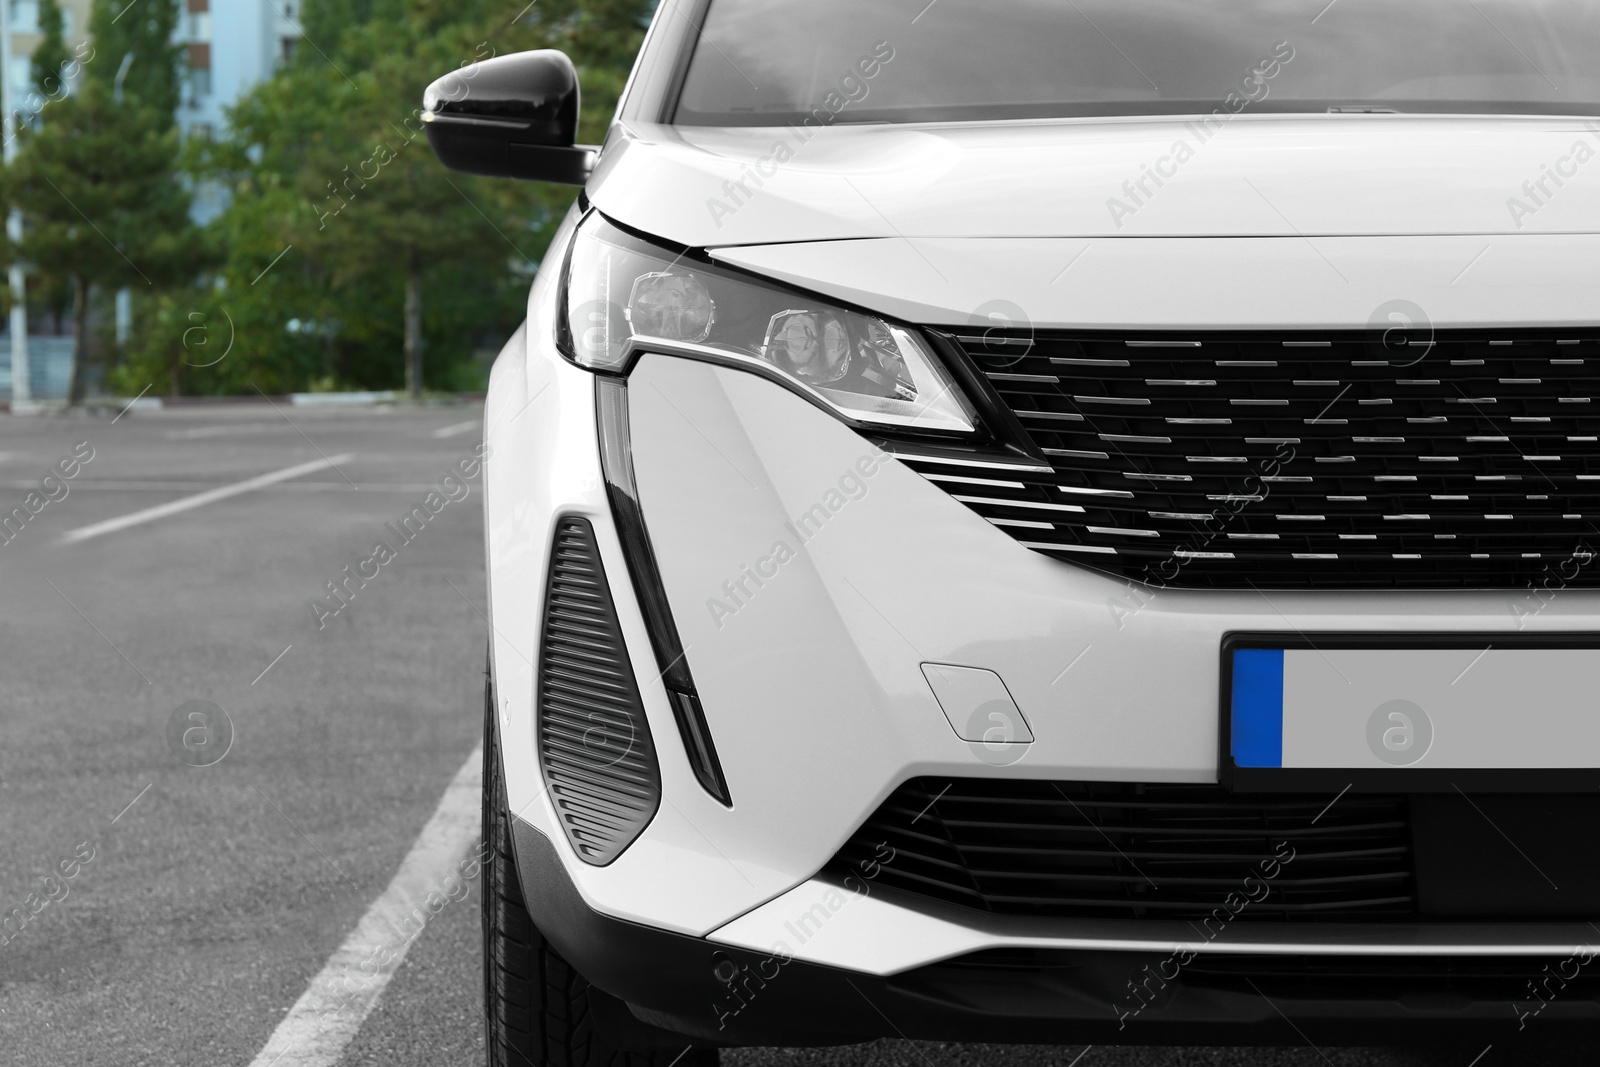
x=1398, y=780
x=616, y=462
x=1004, y=430
x=716, y=994
x=606, y=787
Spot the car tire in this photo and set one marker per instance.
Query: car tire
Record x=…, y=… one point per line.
x=538, y=1010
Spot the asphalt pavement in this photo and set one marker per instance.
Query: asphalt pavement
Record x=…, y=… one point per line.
x=181, y=881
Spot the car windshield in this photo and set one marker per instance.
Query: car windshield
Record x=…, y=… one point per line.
x=776, y=62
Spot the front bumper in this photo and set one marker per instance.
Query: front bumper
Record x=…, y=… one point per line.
x=1136, y=994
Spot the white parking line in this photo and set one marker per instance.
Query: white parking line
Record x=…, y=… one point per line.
x=460, y=427
x=330, y=1012
x=189, y=503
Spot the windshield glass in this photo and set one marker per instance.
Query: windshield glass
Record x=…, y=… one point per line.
x=776, y=62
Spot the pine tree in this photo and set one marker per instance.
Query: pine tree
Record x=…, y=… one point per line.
x=133, y=43
x=96, y=182
x=49, y=74
x=51, y=53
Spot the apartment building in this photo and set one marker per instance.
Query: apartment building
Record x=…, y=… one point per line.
x=232, y=46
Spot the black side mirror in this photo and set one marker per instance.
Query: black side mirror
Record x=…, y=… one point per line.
x=512, y=116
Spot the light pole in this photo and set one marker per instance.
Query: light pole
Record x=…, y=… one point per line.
x=21, y=377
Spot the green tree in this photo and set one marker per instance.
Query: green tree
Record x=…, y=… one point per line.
x=339, y=210
x=96, y=178
x=101, y=203
x=51, y=294
x=51, y=54
x=134, y=49
x=383, y=206
x=386, y=247
x=327, y=21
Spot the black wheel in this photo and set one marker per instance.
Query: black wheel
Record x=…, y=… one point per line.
x=538, y=1011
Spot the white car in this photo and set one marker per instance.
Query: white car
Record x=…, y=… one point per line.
x=1048, y=522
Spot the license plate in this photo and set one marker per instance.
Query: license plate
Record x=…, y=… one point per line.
x=1409, y=713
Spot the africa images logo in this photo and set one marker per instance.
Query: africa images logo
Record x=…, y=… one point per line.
x=1399, y=732
x=1138, y=191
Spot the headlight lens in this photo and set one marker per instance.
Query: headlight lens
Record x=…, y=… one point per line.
x=621, y=289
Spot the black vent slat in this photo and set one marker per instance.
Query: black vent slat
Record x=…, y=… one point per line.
x=1075, y=849
x=1307, y=977
x=594, y=742
x=1464, y=460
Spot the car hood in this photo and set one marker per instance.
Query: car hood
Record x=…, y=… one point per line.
x=1253, y=176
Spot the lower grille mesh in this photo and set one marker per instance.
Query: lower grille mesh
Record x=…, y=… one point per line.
x=594, y=743
x=1113, y=850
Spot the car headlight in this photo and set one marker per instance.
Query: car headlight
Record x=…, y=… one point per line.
x=622, y=294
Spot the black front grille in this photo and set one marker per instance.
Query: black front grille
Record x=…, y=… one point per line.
x=594, y=741
x=1112, y=850
x=1465, y=460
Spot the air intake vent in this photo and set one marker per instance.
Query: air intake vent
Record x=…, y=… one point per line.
x=1113, y=850
x=594, y=743
x=1465, y=460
